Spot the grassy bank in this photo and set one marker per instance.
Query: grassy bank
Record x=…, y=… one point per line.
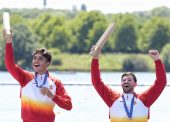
x=108, y=62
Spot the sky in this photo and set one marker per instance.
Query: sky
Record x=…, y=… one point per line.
x=106, y=6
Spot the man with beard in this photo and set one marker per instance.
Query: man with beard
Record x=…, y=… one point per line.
x=129, y=106
x=40, y=91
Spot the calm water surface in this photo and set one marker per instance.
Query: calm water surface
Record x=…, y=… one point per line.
x=87, y=105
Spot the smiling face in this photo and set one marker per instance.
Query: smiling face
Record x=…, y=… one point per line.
x=128, y=83
x=41, y=60
x=40, y=63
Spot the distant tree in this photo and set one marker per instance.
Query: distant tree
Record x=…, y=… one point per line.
x=156, y=12
x=161, y=12
x=44, y=27
x=97, y=31
x=71, y=14
x=81, y=27
x=166, y=56
x=24, y=42
x=126, y=33
x=74, y=8
x=60, y=39
x=83, y=7
x=154, y=34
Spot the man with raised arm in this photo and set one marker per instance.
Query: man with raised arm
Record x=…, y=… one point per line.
x=40, y=91
x=129, y=106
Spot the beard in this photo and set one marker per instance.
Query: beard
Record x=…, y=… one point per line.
x=127, y=89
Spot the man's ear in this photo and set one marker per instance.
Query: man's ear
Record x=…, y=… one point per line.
x=135, y=84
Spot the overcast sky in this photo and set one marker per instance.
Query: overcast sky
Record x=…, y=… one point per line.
x=106, y=6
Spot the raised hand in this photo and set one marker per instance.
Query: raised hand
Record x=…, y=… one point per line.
x=154, y=54
x=97, y=52
x=7, y=37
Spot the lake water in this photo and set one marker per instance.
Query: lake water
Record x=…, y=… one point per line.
x=87, y=105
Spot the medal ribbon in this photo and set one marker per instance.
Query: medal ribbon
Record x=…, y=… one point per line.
x=45, y=80
x=129, y=114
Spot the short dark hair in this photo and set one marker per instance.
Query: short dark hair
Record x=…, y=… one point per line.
x=129, y=73
x=44, y=53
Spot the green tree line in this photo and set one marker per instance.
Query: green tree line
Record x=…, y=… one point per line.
x=74, y=32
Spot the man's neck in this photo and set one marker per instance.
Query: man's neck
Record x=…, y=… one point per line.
x=41, y=73
x=132, y=92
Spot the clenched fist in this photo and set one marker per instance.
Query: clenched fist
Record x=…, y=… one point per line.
x=154, y=54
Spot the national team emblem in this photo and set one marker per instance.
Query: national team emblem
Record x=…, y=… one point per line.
x=51, y=87
x=135, y=103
